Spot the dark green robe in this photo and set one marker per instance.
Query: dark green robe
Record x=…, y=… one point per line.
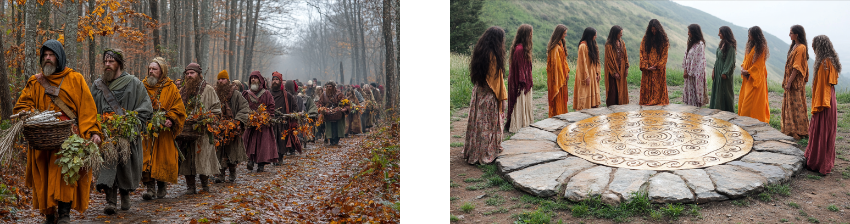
x=722, y=94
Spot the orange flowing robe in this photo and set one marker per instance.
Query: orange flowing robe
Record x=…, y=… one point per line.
x=822, y=86
x=752, y=101
x=653, y=84
x=558, y=73
x=160, y=154
x=795, y=120
x=615, y=65
x=586, y=95
x=43, y=175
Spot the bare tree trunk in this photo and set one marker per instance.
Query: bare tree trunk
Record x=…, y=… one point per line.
x=30, y=58
x=249, y=59
x=91, y=76
x=391, y=87
x=354, y=42
x=197, y=33
x=397, y=21
x=239, y=40
x=70, y=32
x=248, y=25
x=204, y=56
x=363, y=67
x=163, y=13
x=6, y=103
x=155, y=15
x=231, y=50
x=341, y=73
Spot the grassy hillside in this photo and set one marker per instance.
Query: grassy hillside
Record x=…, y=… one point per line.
x=633, y=17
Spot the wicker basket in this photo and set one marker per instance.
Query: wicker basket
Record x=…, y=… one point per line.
x=334, y=116
x=47, y=136
x=188, y=134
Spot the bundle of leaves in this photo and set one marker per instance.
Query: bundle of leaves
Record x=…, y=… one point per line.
x=156, y=124
x=119, y=130
x=76, y=154
x=228, y=129
x=305, y=125
x=259, y=117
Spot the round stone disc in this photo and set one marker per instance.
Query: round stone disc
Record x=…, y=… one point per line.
x=655, y=140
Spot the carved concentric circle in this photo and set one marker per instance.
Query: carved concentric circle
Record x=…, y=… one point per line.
x=655, y=140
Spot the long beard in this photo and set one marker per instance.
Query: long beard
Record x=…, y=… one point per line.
x=275, y=86
x=224, y=92
x=48, y=70
x=152, y=80
x=255, y=87
x=108, y=75
x=192, y=84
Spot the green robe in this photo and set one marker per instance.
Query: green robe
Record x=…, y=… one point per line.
x=234, y=152
x=722, y=94
x=131, y=95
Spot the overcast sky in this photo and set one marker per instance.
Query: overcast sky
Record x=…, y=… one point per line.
x=776, y=17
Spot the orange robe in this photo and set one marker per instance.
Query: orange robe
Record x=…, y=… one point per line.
x=586, y=95
x=160, y=154
x=558, y=73
x=752, y=101
x=795, y=120
x=43, y=175
x=614, y=65
x=653, y=84
x=497, y=83
x=822, y=85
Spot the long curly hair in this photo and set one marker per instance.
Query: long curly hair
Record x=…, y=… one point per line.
x=491, y=43
x=756, y=39
x=523, y=36
x=657, y=40
x=592, y=49
x=728, y=38
x=695, y=37
x=614, y=36
x=824, y=50
x=557, y=37
x=801, y=39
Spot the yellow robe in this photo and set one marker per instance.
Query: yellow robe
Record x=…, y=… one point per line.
x=160, y=154
x=586, y=95
x=825, y=79
x=43, y=175
x=795, y=122
x=752, y=101
x=558, y=73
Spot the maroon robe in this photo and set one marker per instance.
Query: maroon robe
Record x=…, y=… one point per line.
x=260, y=145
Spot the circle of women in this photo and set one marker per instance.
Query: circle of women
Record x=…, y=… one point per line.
x=655, y=140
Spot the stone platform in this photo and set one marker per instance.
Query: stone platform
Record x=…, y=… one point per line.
x=533, y=162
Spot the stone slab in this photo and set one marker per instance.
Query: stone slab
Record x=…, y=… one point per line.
x=642, y=107
x=681, y=108
x=771, y=135
x=510, y=163
x=778, y=147
x=706, y=111
x=550, y=124
x=588, y=183
x=756, y=129
x=773, y=174
x=627, y=181
x=700, y=183
x=573, y=116
x=624, y=108
x=669, y=188
x=724, y=115
x=744, y=121
x=735, y=181
x=514, y=147
x=544, y=179
x=532, y=133
x=597, y=111
x=788, y=162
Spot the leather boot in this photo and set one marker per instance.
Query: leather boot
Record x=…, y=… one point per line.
x=150, y=192
x=50, y=218
x=190, y=184
x=160, y=189
x=111, y=200
x=205, y=186
x=125, y=199
x=64, y=216
x=250, y=165
x=220, y=176
x=232, y=169
x=260, y=169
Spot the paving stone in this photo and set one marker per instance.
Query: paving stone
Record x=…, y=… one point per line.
x=542, y=180
x=771, y=135
x=681, y=108
x=744, y=121
x=724, y=115
x=573, y=116
x=627, y=181
x=588, y=183
x=532, y=133
x=597, y=111
x=706, y=111
x=773, y=174
x=610, y=198
x=699, y=181
x=669, y=188
x=513, y=147
x=787, y=162
x=651, y=107
x=756, y=129
x=624, y=108
x=550, y=124
x=734, y=181
x=510, y=163
x=779, y=147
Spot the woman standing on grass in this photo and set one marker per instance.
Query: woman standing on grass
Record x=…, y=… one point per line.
x=795, y=123
x=557, y=72
x=520, y=107
x=693, y=65
x=586, y=87
x=653, y=65
x=820, y=153
x=752, y=101
x=722, y=93
x=486, y=108
x=616, y=68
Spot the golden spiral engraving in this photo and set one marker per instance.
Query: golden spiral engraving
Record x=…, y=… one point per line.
x=655, y=140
